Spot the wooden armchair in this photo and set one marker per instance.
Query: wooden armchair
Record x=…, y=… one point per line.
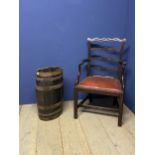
x=102, y=84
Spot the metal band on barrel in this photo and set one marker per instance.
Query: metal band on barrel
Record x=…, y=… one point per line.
x=53, y=106
x=49, y=78
x=51, y=114
x=49, y=87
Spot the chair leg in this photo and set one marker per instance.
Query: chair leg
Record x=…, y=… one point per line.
x=120, y=102
x=75, y=103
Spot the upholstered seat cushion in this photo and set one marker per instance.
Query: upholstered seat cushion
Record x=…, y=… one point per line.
x=102, y=83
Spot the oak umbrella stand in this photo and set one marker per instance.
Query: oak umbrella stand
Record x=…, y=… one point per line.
x=49, y=92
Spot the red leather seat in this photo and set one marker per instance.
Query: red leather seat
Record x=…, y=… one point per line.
x=103, y=83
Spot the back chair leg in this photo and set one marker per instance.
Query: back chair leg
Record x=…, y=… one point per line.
x=120, y=102
x=75, y=103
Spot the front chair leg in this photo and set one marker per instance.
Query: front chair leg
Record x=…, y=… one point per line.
x=120, y=102
x=75, y=103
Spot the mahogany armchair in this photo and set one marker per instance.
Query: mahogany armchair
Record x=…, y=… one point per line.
x=102, y=84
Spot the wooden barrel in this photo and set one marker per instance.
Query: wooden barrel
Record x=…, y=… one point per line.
x=49, y=92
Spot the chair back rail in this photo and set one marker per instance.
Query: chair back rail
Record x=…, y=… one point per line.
x=103, y=68
x=94, y=46
x=103, y=58
x=106, y=39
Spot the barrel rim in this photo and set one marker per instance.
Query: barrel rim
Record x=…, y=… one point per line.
x=53, y=71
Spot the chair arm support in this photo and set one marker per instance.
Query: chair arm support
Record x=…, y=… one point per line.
x=122, y=63
x=79, y=69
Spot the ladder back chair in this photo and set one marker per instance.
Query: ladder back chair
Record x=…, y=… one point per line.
x=109, y=85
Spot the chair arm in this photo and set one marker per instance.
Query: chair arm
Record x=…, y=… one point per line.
x=79, y=69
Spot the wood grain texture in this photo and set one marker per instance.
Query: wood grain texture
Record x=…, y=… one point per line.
x=49, y=138
x=28, y=130
x=129, y=121
x=98, y=140
x=74, y=142
x=120, y=137
x=90, y=134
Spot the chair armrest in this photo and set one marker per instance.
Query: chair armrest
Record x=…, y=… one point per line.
x=79, y=69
